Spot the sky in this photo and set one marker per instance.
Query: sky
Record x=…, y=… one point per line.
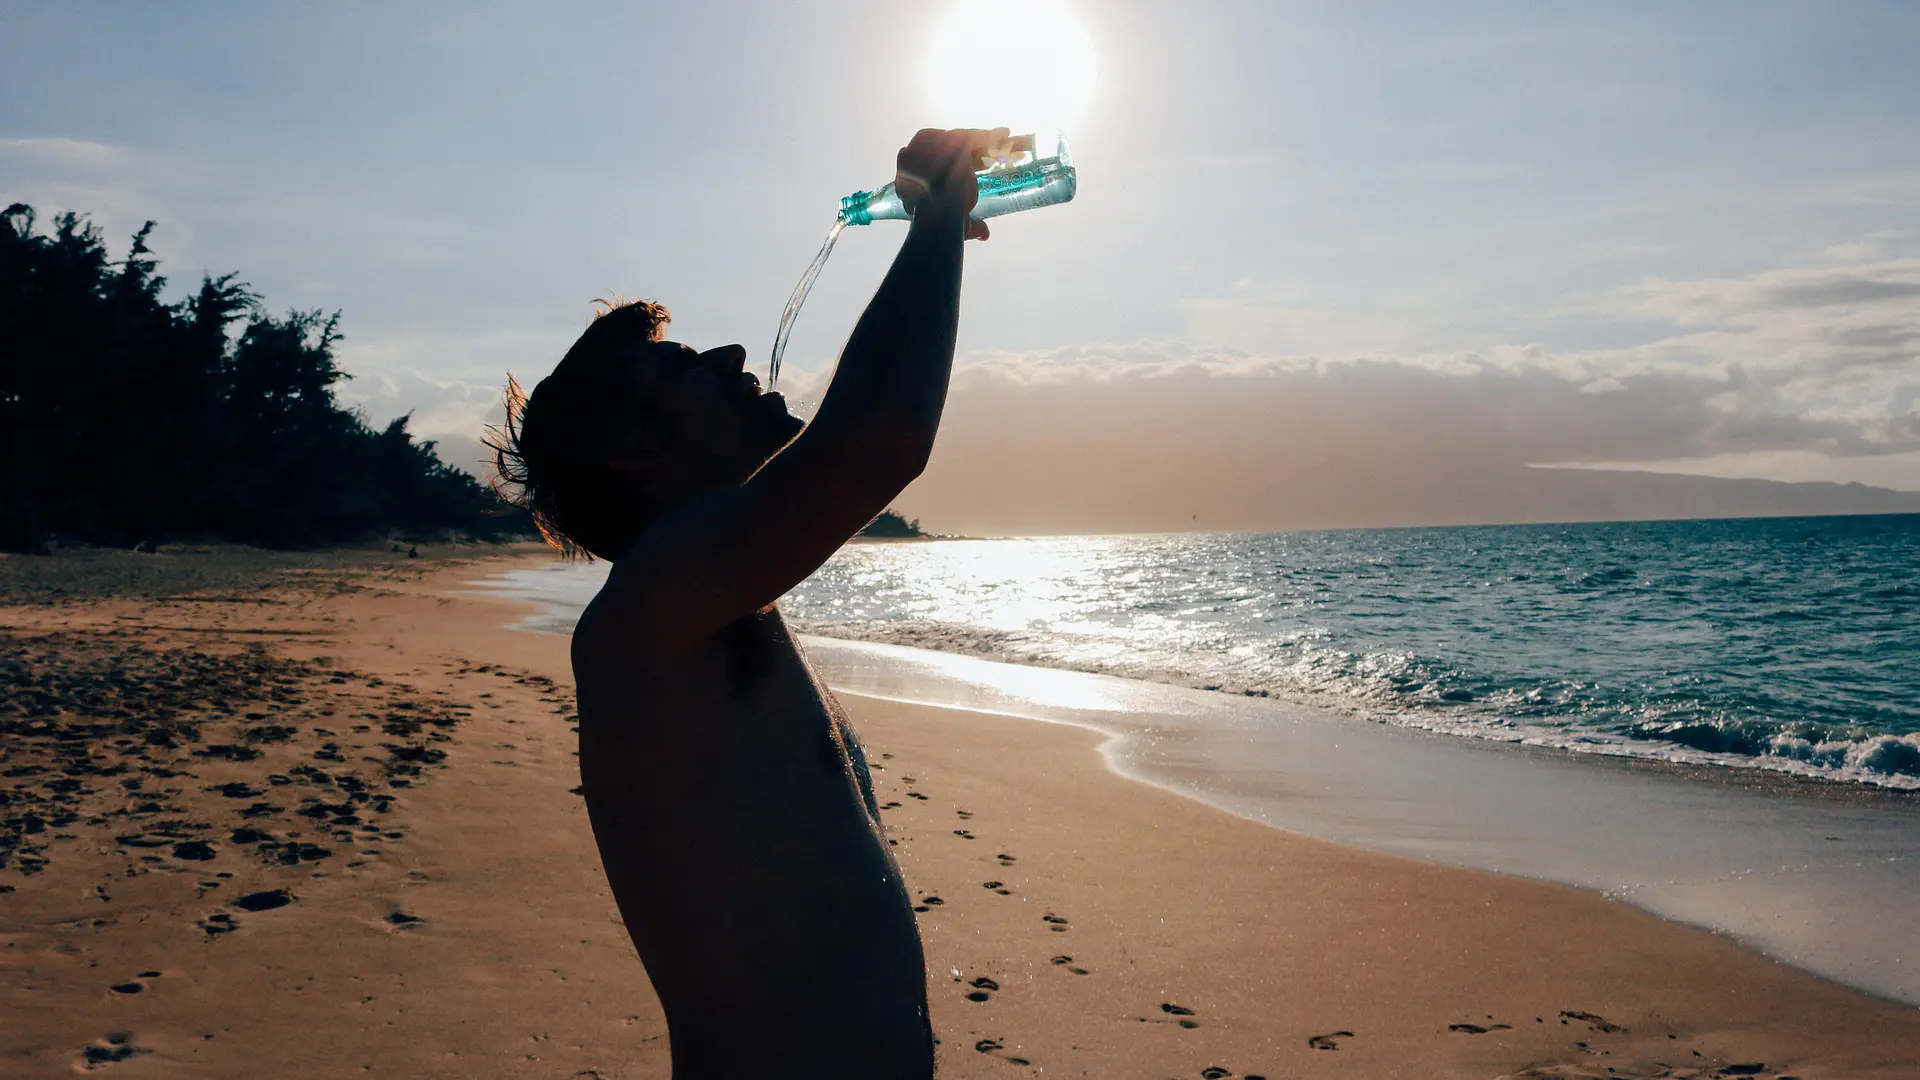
x=1371, y=250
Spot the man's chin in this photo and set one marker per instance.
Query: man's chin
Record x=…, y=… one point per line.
x=781, y=430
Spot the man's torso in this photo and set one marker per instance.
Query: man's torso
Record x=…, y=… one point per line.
x=733, y=811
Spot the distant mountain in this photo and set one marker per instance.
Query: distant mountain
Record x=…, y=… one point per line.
x=1610, y=495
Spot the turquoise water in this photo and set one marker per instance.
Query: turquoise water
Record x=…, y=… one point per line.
x=1783, y=643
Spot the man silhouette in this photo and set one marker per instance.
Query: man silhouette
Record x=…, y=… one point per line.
x=729, y=796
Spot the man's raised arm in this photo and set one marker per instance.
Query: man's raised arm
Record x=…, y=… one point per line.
x=730, y=553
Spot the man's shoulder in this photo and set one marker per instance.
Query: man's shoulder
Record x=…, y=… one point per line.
x=621, y=621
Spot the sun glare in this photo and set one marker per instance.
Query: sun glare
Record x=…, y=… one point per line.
x=1020, y=64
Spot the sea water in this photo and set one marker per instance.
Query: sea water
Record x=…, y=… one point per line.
x=1369, y=687
x=1788, y=644
x=1020, y=181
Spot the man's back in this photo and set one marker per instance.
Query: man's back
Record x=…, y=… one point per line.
x=733, y=810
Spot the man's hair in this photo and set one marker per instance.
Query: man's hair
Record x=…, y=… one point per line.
x=550, y=454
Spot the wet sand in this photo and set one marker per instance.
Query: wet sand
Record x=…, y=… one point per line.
x=322, y=823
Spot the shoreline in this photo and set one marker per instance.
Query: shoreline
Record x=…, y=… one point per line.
x=1758, y=864
x=1456, y=801
x=1108, y=747
x=1753, y=771
x=1734, y=773
x=1140, y=933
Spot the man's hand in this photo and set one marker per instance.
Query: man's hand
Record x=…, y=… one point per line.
x=936, y=171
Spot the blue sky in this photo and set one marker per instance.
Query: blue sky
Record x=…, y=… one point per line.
x=1719, y=201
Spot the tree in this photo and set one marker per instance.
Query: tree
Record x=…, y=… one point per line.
x=893, y=526
x=128, y=419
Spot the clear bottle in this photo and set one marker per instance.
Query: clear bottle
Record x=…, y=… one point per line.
x=1022, y=182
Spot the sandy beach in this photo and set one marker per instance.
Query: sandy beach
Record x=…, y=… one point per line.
x=316, y=817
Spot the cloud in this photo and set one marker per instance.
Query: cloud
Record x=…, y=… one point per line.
x=63, y=151
x=1811, y=368
x=1110, y=439
x=452, y=412
x=1884, y=288
x=1790, y=374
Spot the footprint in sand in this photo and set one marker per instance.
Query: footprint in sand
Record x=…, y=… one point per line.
x=402, y=920
x=1600, y=1023
x=1005, y=859
x=895, y=805
x=1329, y=1041
x=1181, y=1011
x=264, y=901
x=1058, y=924
x=964, y=834
x=997, y=886
x=916, y=795
x=983, y=988
x=219, y=923
x=928, y=903
x=963, y=813
x=1476, y=1029
x=1067, y=962
x=991, y=1045
x=114, y=1048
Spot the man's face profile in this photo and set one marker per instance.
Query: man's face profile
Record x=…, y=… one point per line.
x=710, y=415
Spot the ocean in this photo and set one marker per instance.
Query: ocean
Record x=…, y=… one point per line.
x=1789, y=644
x=1411, y=691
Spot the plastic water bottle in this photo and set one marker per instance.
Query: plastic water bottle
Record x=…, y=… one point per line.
x=1023, y=182
x=1020, y=181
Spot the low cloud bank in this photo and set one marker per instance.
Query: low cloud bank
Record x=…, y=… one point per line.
x=1821, y=362
x=1098, y=440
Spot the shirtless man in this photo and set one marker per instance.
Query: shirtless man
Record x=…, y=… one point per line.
x=728, y=794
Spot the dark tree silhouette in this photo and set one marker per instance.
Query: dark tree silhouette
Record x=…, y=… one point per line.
x=125, y=420
x=892, y=525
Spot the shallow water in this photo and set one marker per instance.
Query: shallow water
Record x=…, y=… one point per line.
x=1823, y=876
x=1790, y=644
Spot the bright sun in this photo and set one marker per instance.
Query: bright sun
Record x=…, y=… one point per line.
x=1020, y=64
